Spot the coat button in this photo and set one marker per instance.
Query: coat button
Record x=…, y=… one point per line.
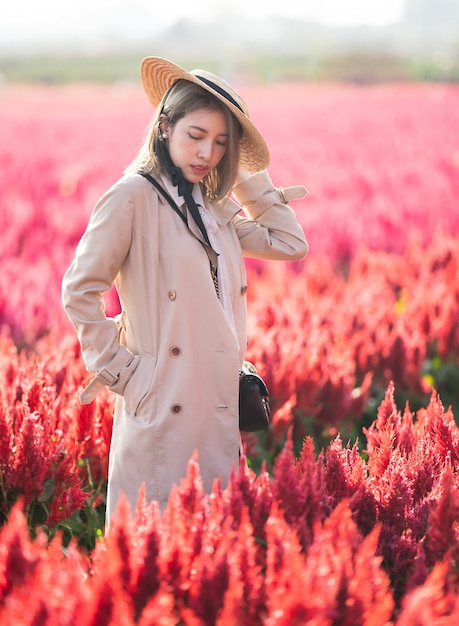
x=175, y=351
x=176, y=409
x=172, y=294
x=243, y=290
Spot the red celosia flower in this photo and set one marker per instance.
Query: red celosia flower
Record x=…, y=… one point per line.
x=443, y=522
x=31, y=466
x=65, y=503
x=434, y=602
x=5, y=435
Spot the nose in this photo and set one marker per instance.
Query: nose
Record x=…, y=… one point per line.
x=205, y=150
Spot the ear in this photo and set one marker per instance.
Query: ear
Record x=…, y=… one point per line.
x=164, y=126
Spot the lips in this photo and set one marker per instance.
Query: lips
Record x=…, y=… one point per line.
x=199, y=169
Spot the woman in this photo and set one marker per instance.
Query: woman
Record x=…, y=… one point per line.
x=173, y=355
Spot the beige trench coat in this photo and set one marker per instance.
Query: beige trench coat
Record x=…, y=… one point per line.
x=174, y=366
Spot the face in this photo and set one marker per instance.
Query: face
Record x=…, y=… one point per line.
x=197, y=142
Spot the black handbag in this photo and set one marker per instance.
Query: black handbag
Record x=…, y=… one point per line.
x=254, y=409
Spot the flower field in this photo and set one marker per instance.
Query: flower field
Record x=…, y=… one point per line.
x=348, y=512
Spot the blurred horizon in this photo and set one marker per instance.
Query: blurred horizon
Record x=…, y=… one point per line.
x=49, y=24
x=357, y=41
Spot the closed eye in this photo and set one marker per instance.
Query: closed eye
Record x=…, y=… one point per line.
x=222, y=143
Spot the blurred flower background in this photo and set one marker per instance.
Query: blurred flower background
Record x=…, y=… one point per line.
x=353, y=493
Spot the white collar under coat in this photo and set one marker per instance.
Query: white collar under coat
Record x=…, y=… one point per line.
x=222, y=211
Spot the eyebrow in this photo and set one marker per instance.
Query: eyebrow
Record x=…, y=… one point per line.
x=203, y=130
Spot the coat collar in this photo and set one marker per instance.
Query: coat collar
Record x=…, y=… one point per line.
x=222, y=211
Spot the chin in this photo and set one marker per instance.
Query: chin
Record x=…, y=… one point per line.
x=194, y=178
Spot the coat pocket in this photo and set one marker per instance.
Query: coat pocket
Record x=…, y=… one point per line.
x=139, y=384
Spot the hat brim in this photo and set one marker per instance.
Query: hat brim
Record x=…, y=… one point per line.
x=159, y=74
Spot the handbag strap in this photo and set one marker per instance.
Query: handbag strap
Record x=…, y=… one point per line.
x=164, y=193
x=173, y=204
x=189, y=202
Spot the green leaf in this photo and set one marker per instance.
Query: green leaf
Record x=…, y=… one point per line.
x=48, y=489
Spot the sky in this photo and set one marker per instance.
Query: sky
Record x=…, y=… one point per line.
x=29, y=23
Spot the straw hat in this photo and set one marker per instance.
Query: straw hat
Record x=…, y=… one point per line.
x=158, y=75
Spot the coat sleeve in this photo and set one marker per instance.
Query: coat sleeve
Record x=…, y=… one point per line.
x=270, y=229
x=98, y=258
